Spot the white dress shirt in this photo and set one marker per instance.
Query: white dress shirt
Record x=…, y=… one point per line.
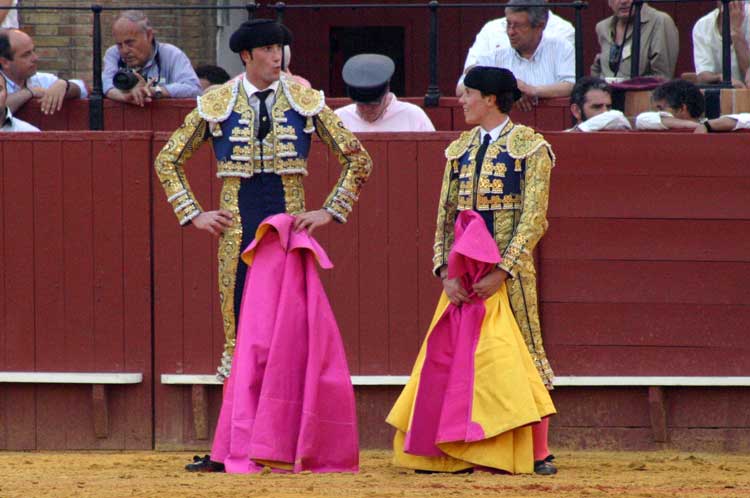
x=553, y=61
x=707, y=44
x=743, y=120
x=254, y=101
x=494, y=36
x=609, y=120
x=11, y=124
x=43, y=80
x=494, y=133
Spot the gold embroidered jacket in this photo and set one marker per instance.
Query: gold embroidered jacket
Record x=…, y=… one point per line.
x=512, y=185
x=224, y=116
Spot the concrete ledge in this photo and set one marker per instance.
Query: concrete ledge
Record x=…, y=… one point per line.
x=70, y=378
x=98, y=382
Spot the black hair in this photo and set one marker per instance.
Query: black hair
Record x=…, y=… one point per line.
x=679, y=92
x=584, y=86
x=5, y=51
x=213, y=74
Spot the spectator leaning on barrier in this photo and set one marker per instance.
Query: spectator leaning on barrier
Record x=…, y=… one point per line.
x=9, y=17
x=7, y=121
x=660, y=43
x=142, y=68
x=18, y=62
x=543, y=66
x=707, y=47
x=678, y=104
x=591, y=106
x=375, y=108
x=494, y=36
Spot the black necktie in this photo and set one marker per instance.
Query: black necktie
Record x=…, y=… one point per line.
x=264, y=123
x=482, y=151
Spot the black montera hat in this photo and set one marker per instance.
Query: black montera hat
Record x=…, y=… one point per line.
x=367, y=76
x=259, y=33
x=493, y=80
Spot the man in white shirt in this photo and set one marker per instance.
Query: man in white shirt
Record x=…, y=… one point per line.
x=543, y=66
x=494, y=36
x=707, y=48
x=7, y=121
x=375, y=108
x=591, y=106
x=18, y=62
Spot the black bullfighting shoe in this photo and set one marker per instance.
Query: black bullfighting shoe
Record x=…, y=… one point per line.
x=545, y=467
x=204, y=464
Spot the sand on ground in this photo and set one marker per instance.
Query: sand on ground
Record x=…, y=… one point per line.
x=582, y=474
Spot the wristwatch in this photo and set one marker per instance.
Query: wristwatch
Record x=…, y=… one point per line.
x=158, y=92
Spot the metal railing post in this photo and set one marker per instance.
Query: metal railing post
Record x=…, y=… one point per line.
x=96, y=99
x=279, y=7
x=432, y=99
x=726, y=48
x=251, y=7
x=635, y=61
x=579, y=38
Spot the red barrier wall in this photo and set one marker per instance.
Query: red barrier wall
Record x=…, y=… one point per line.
x=643, y=272
x=75, y=285
x=166, y=115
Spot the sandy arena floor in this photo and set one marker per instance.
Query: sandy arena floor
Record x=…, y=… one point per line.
x=582, y=474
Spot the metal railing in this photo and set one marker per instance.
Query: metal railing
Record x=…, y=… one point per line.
x=432, y=96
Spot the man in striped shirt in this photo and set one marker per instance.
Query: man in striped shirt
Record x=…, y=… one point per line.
x=543, y=66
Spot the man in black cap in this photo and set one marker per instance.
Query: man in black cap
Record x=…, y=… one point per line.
x=375, y=108
x=501, y=171
x=260, y=126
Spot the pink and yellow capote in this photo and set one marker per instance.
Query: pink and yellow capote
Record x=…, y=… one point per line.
x=474, y=389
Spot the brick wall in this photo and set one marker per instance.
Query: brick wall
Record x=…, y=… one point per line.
x=63, y=38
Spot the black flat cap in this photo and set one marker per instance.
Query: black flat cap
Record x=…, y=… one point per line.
x=367, y=76
x=259, y=33
x=493, y=80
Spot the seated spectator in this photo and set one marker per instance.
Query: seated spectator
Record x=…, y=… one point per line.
x=678, y=104
x=730, y=122
x=375, y=108
x=591, y=106
x=707, y=46
x=146, y=69
x=211, y=76
x=660, y=43
x=18, y=65
x=543, y=66
x=494, y=35
x=8, y=18
x=7, y=121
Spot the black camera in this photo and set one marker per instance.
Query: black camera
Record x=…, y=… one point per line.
x=125, y=79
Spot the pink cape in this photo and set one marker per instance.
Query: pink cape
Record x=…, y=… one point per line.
x=447, y=379
x=288, y=402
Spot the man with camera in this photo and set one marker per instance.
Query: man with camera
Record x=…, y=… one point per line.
x=138, y=69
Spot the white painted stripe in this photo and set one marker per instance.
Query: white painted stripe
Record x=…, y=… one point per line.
x=575, y=381
x=569, y=381
x=70, y=378
x=189, y=379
